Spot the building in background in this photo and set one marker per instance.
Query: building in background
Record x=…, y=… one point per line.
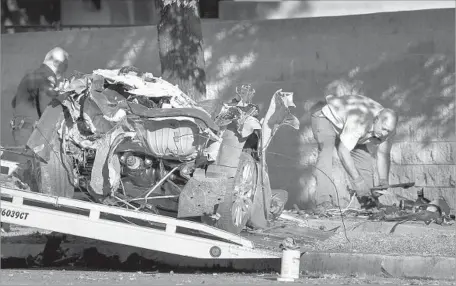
x=39, y=15
x=21, y=14
x=270, y=9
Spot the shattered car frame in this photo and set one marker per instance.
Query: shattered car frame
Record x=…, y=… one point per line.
x=129, y=139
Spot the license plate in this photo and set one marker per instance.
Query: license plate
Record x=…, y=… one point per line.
x=14, y=214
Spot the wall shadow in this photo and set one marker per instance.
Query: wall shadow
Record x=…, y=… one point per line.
x=419, y=83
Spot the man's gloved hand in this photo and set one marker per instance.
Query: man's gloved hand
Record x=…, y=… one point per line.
x=63, y=84
x=361, y=188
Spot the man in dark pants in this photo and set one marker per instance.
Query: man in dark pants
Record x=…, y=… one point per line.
x=358, y=127
x=35, y=91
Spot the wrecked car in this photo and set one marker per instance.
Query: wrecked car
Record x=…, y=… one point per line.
x=128, y=139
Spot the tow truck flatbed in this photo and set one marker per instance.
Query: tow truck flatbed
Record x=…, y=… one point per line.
x=122, y=226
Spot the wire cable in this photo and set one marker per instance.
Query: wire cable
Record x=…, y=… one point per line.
x=338, y=202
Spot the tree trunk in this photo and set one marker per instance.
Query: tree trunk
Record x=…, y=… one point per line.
x=180, y=43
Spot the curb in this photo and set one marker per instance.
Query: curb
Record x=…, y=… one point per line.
x=412, y=267
x=416, y=267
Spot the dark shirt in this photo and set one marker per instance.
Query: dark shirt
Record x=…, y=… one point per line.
x=36, y=88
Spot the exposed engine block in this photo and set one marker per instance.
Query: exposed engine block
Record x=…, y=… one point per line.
x=141, y=170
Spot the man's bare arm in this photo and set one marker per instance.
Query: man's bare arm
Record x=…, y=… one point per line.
x=353, y=130
x=383, y=161
x=347, y=161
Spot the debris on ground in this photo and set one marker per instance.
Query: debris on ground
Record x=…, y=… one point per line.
x=422, y=209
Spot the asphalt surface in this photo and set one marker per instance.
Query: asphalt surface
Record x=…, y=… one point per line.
x=79, y=277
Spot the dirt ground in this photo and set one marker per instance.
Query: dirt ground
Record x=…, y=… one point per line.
x=428, y=241
x=78, y=277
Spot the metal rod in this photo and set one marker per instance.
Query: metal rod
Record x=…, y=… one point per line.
x=154, y=198
x=125, y=202
x=160, y=183
x=57, y=27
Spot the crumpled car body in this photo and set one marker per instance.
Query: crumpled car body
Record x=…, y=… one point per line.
x=136, y=141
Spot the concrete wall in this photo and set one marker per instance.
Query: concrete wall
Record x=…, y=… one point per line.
x=405, y=59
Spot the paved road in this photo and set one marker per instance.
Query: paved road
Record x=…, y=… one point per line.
x=78, y=277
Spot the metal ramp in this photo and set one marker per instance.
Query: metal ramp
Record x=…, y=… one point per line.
x=122, y=226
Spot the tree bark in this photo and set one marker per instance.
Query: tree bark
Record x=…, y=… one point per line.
x=180, y=42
